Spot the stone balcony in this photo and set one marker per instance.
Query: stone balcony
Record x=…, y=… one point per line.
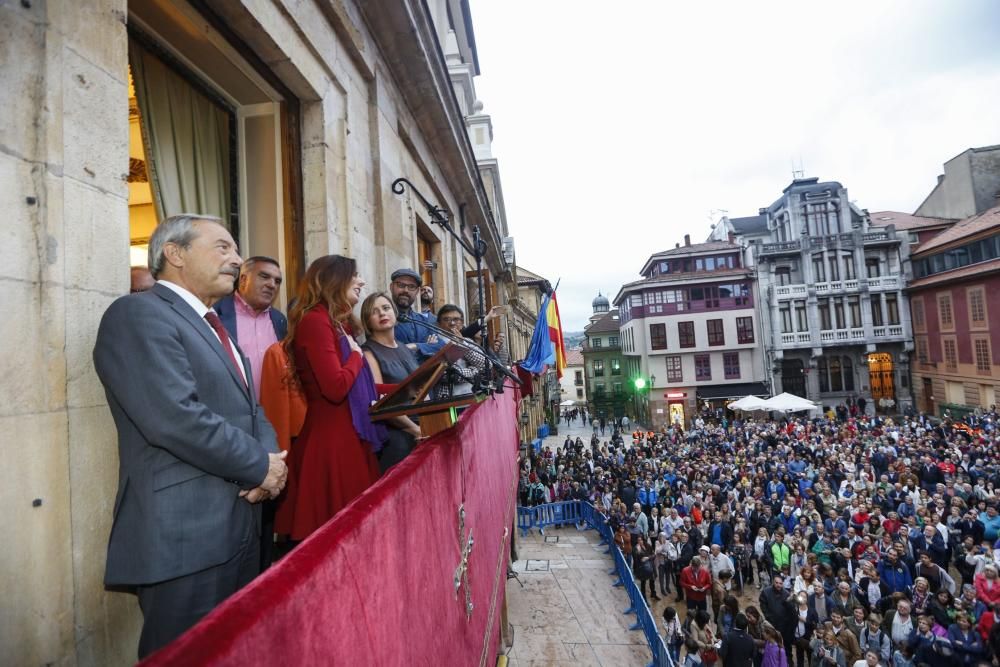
x=800, y=291
x=852, y=336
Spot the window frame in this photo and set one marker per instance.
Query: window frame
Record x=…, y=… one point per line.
x=744, y=330
x=731, y=365
x=703, y=367
x=658, y=336
x=675, y=368
x=686, y=337
x=717, y=337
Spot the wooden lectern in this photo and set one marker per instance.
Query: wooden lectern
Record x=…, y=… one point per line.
x=407, y=399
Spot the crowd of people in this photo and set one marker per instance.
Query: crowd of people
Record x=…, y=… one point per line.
x=836, y=541
x=208, y=476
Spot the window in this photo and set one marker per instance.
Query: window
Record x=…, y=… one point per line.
x=944, y=311
x=835, y=374
x=710, y=264
x=783, y=275
x=731, y=364
x=599, y=390
x=702, y=367
x=800, y=316
x=824, y=315
x=674, y=372
x=876, y=303
x=716, y=333
x=982, y=347
x=744, y=329
x=977, y=306
x=917, y=308
x=616, y=366
x=617, y=388
x=834, y=268
x=819, y=274
x=598, y=368
x=849, y=267
x=786, y=319
x=613, y=341
x=658, y=336
x=635, y=300
x=578, y=378
x=922, y=355
x=892, y=308
x=872, y=267
x=950, y=354
x=685, y=334
x=855, y=307
x=579, y=393
x=597, y=342
x=838, y=314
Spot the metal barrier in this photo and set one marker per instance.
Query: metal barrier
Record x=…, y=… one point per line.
x=576, y=511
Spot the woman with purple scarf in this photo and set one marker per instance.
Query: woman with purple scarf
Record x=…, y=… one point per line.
x=333, y=460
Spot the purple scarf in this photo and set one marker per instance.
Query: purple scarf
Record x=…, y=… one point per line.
x=360, y=398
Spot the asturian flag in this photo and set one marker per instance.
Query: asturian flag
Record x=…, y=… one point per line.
x=546, y=348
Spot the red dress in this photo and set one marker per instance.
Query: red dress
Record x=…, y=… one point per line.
x=329, y=466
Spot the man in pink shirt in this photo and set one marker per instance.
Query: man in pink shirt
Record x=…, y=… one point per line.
x=248, y=316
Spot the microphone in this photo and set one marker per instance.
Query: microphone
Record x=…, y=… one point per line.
x=465, y=343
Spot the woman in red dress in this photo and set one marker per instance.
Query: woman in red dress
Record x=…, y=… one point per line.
x=333, y=460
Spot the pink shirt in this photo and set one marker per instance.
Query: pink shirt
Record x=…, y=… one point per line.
x=255, y=333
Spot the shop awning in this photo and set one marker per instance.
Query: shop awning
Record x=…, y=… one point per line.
x=732, y=391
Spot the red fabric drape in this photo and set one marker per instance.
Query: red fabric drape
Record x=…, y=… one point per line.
x=374, y=586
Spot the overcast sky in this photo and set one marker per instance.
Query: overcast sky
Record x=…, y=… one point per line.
x=621, y=126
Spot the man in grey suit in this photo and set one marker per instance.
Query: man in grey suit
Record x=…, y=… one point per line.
x=196, y=452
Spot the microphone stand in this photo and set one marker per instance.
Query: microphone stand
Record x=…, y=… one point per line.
x=477, y=249
x=493, y=364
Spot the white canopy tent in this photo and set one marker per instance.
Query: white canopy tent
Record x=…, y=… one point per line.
x=749, y=404
x=567, y=403
x=789, y=403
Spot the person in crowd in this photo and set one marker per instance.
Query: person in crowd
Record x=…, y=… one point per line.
x=140, y=280
x=702, y=642
x=334, y=458
x=773, y=604
x=966, y=643
x=248, y=313
x=774, y=649
x=844, y=637
x=461, y=376
x=873, y=638
x=391, y=363
x=666, y=555
x=404, y=286
x=697, y=584
x=805, y=619
x=255, y=325
x=196, y=456
x=644, y=559
x=738, y=649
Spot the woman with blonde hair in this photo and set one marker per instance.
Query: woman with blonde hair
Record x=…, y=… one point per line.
x=334, y=457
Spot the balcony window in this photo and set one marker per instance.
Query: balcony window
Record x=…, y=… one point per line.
x=982, y=347
x=578, y=378
x=783, y=276
x=834, y=269
x=849, y=273
x=597, y=342
x=616, y=367
x=838, y=314
x=876, y=301
x=613, y=341
x=824, y=315
x=786, y=319
x=892, y=308
x=731, y=365
x=685, y=334
x=744, y=330
x=716, y=332
x=674, y=371
x=702, y=367
x=819, y=274
x=800, y=316
x=658, y=336
x=598, y=365
x=855, y=307
x=873, y=267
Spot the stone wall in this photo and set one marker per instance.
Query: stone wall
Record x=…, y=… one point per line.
x=63, y=164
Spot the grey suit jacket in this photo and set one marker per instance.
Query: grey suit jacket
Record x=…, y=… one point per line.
x=190, y=436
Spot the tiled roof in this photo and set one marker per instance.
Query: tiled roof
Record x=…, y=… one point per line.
x=956, y=274
x=606, y=323
x=526, y=276
x=710, y=246
x=963, y=229
x=906, y=220
x=574, y=357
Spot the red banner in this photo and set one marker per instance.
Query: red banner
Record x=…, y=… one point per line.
x=375, y=585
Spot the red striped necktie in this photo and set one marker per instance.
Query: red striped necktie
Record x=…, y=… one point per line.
x=213, y=319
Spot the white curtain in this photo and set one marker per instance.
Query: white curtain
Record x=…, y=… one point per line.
x=185, y=137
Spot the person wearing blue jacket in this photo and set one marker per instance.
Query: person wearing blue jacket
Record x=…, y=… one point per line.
x=894, y=574
x=965, y=641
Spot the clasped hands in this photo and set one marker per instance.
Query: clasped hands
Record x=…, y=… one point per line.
x=274, y=482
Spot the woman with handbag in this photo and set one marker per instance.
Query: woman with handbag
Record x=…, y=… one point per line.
x=673, y=634
x=700, y=643
x=645, y=568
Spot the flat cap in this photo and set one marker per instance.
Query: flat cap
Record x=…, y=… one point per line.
x=407, y=273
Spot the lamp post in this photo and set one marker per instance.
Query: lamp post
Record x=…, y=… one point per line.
x=649, y=414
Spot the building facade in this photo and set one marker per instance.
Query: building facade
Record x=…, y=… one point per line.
x=969, y=185
x=831, y=286
x=689, y=332
x=607, y=390
x=306, y=113
x=573, y=382
x=955, y=304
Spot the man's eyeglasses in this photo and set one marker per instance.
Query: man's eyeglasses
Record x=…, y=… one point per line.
x=409, y=287
x=451, y=320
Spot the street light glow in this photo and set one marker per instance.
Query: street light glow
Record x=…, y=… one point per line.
x=640, y=383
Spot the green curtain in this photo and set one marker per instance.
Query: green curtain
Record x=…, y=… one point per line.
x=185, y=138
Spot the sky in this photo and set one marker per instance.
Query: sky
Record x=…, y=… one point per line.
x=621, y=126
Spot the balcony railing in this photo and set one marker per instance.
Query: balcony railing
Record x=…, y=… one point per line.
x=800, y=290
x=780, y=248
x=891, y=331
x=797, y=338
x=789, y=291
x=884, y=282
x=878, y=237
